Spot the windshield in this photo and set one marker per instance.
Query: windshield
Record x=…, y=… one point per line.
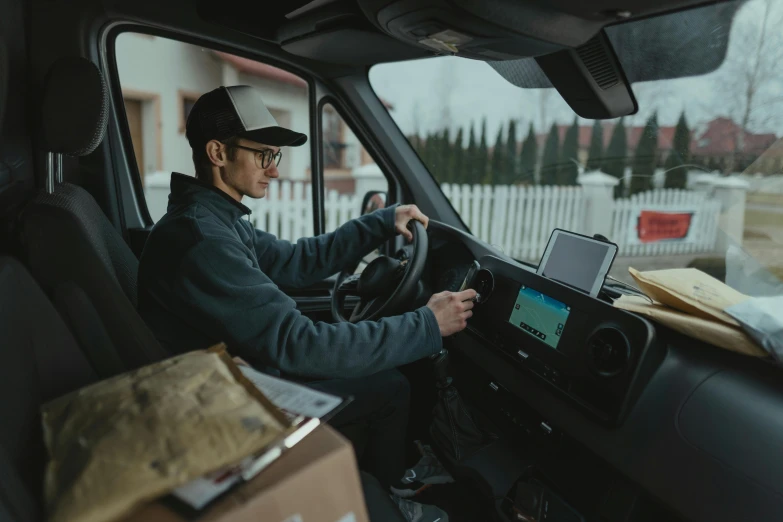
x=694, y=179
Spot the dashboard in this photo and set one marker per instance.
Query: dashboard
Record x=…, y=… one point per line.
x=620, y=418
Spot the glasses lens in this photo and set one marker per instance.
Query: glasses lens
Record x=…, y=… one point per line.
x=264, y=159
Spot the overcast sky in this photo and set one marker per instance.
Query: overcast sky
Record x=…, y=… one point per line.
x=432, y=93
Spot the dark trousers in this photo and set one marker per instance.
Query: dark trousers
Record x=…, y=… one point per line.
x=378, y=416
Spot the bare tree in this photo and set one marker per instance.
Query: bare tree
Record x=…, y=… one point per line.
x=416, y=119
x=650, y=96
x=752, y=80
x=543, y=101
x=447, y=83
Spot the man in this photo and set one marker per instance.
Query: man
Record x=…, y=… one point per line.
x=206, y=276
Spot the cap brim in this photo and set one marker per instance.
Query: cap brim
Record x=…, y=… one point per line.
x=276, y=136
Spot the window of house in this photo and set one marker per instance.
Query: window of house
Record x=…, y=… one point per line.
x=334, y=145
x=142, y=111
x=186, y=102
x=161, y=80
x=350, y=172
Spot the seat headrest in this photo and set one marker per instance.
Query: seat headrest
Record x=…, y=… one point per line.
x=75, y=107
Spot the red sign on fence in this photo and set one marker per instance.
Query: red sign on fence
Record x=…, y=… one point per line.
x=659, y=226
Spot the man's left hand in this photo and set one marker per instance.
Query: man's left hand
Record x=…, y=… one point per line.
x=406, y=213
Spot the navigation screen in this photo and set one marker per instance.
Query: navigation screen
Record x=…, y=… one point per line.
x=539, y=315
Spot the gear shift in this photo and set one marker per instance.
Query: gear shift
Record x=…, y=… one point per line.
x=440, y=366
x=453, y=429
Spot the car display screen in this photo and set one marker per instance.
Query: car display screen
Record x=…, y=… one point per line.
x=539, y=315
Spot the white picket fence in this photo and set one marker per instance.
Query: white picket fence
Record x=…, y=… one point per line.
x=518, y=219
x=287, y=209
x=703, y=231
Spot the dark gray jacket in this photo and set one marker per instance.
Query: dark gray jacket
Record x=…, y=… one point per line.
x=206, y=276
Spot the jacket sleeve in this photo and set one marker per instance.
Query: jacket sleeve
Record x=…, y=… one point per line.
x=220, y=290
x=313, y=259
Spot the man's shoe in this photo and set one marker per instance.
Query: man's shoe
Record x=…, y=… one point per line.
x=415, y=512
x=427, y=472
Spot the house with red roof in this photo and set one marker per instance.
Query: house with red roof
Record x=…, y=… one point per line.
x=722, y=143
x=715, y=143
x=633, y=134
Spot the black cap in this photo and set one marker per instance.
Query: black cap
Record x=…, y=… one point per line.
x=237, y=111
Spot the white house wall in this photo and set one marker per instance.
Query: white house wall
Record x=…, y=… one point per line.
x=154, y=66
x=159, y=66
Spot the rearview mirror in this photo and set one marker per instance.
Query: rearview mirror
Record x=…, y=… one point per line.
x=372, y=201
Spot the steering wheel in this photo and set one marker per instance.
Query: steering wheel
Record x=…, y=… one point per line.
x=385, y=284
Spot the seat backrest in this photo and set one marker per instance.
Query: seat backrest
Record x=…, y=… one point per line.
x=65, y=234
x=40, y=361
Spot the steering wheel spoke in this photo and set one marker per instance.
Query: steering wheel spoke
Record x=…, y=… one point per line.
x=350, y=285
x=385, y=285
x=362, y=309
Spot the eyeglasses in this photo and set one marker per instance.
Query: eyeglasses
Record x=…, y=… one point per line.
x=263, y=157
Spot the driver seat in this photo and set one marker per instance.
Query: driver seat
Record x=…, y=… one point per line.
x=69, y=243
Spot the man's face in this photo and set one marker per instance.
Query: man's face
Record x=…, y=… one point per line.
x=245, y=173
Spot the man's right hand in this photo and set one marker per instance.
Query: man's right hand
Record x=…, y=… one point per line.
x=452, y=310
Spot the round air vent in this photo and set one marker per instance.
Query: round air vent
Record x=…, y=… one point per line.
x=484, y=284
x=608, y=352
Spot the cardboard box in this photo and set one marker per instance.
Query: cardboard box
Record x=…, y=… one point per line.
x=315, y=481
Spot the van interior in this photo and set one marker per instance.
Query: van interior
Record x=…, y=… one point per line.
x=617, y=419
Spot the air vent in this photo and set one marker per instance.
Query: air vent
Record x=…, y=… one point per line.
x=608, y=352
x=595, y=58
x=484, y=283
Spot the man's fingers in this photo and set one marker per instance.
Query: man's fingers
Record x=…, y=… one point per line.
x=413, y=212
x=419, y=215
x=467, y=305
x=467, y=295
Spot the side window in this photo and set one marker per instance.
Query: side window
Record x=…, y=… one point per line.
x=162, y=78
x=351, y=176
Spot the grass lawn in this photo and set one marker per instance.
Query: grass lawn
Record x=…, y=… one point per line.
x=763, y=198
x=759, y=218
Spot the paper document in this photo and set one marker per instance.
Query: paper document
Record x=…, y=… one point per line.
x=714, y=332
x=198, y=493
x=691, y=291
x=292, y=398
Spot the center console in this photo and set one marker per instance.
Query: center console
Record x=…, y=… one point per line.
x=581, y=347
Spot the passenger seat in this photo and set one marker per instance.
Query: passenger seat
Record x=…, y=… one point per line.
x=71, y=248
x=41, y=361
